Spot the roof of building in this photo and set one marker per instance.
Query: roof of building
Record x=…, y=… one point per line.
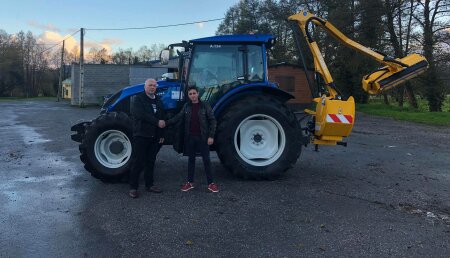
x=67, y=81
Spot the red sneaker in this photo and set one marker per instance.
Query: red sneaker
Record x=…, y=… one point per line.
x=213, y=188
x=133, y=193
x=186, y=187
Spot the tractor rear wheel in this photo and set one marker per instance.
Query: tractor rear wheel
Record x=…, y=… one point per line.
x=106, y=146
x=259, y=138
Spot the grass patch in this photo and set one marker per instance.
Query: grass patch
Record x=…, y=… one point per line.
x=421, y=115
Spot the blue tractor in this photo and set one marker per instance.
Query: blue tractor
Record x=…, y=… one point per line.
x=257, y=136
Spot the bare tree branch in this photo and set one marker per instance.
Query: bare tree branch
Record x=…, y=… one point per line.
x=420, y=2
x=441, y=28
x=435, y=12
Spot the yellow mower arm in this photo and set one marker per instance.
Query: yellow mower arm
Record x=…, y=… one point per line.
x=334, y=118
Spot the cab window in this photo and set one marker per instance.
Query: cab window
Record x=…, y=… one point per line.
x=216, y=69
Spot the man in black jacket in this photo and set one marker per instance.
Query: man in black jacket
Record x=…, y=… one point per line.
x=199, y=124
x=148, y=120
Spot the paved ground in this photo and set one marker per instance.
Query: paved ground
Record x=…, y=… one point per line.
x=387, y=194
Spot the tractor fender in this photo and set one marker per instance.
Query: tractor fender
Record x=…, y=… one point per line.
x=249, y=90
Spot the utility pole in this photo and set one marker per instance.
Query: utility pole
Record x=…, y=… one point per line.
x=61, y=72
x=81, y=97
x=232, y=20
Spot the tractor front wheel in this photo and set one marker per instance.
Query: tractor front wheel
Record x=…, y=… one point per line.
x=106, y=146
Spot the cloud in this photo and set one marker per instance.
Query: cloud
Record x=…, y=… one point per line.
x=72, y=44
x=50, y=37
x=47, y=27
x=88, y=44
x=200, y=25
x=98, y=45
x=112, y=41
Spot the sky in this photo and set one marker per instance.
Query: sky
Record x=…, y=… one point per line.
x=51, y=21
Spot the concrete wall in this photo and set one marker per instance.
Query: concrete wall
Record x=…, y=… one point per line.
x=140, y=74
x=75, y=78
x=103, y=79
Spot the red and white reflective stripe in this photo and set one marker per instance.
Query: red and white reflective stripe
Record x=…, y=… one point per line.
x=336, y=118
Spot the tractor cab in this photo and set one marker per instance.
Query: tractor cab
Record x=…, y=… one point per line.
x=220, y=65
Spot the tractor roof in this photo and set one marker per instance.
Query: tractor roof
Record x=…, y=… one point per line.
x=269, y=40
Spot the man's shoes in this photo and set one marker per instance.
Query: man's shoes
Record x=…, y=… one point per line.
x=186, y=187
x=133, y=193
x=153, y=189
x=213, y=188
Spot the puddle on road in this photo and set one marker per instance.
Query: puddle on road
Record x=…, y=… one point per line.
x=27, y=133
x=37, y=189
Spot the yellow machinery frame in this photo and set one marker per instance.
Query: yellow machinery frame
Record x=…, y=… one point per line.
x=334, y=117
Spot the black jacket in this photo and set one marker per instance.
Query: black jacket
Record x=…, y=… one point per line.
x=205, y=117
x=145, y=121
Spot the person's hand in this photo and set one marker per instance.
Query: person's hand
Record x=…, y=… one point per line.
x=161, y=140
x=210, y=141
x=161, y=124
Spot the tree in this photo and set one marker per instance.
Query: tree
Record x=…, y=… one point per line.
x=269, y=16
x=73, y=56
x=228, y=25
x=99, y=56
x=370, y=34
x=399, y=25
x=343, y=63
x=432, y=20
x=119, y=57
x=144, y=54
x=156, y=49
x=24, y=66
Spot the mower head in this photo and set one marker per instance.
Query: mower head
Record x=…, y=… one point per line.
x=392, y=75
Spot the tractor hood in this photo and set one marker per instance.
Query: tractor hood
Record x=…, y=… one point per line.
x=168, y=91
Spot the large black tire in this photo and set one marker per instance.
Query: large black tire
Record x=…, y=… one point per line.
x=106, y=146
x=264, y=110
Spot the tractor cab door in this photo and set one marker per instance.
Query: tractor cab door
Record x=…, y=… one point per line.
x=215, y=69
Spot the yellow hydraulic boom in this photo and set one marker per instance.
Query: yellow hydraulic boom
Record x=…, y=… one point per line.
x=334, y=117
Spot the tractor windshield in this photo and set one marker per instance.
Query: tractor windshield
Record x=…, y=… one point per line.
x=215, y=69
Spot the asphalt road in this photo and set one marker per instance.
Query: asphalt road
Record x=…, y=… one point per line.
x=386, y=194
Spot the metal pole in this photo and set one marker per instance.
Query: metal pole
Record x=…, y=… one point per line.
x=232, y=20
x=81, y=97
x=61, y=73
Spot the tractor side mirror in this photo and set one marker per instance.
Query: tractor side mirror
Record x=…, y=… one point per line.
x=164, y=57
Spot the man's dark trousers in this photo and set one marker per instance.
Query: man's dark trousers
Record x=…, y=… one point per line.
x=144, y=151
x=197, y=145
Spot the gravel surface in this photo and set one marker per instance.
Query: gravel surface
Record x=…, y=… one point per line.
x=386, y=194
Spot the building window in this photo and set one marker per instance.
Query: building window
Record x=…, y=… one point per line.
x=286, y=83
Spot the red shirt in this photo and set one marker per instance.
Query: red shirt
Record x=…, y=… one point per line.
x=195, y=123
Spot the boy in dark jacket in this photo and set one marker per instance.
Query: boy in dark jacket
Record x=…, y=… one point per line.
x=148, y=120
x=199, y=128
